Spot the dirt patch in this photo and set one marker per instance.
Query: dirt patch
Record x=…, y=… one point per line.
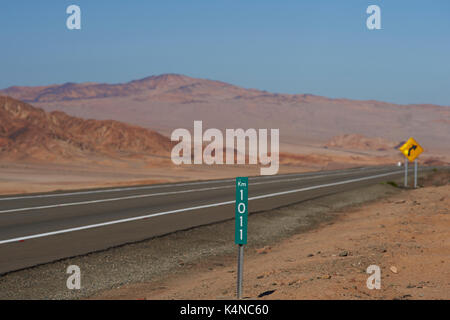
x=21, y=178
x=437, y=178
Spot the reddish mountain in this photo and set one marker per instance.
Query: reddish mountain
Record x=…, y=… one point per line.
x=167, y=102
x=169, y=85
x=27, y=132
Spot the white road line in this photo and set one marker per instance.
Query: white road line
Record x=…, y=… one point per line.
x=323, y=185
x=70, y=204
x=314, y=175
x=191, y=208
x=114, y=222
x=112, y=190
x=110, y=200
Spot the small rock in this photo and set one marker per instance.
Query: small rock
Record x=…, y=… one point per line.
x=310, y=255
x=327, y=276
x=293, y=282
x=263, y=250
x=266, y=293
x=393, y=269
x=343, y=254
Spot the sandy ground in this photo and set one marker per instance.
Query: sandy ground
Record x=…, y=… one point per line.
x=407, y=235
x=20, y=177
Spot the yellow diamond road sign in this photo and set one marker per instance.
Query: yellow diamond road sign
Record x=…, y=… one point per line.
x=411, y=149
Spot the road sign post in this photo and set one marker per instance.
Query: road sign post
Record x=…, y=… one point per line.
x=240, y=234
x=411, y=150
x=240, y=270
x=415, y=173
x=406, y=173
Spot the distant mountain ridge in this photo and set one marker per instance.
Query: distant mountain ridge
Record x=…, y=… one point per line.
x=168, y=83
x=90, y=90
x=166, y=102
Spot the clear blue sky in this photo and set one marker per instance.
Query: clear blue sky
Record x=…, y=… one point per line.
x=318, y=47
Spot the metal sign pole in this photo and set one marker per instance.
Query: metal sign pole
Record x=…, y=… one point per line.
x=406, y=173
x=415, y=173
x=240, y=271
x=240, y=233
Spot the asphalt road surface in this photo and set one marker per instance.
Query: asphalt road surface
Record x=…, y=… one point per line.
x=40, y=228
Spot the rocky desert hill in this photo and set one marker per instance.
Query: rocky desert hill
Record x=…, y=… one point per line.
x=166, y=102
x=29, y=133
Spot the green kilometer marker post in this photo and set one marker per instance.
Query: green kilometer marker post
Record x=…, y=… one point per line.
x=240, y=234
x=241, y=210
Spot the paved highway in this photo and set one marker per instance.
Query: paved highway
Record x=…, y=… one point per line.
x=40, y=228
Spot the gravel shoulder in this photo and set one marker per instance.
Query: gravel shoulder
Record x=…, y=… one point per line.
x=200, y=263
